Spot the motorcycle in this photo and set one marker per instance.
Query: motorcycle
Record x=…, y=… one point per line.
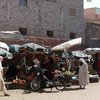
x=40, y=80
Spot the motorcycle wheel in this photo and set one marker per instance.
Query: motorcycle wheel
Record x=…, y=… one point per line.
x=59, y=84
x=35, y=84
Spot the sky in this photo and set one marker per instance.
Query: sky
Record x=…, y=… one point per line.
x=93, y=3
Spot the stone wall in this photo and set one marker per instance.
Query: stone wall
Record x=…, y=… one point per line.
x=42, y=15
x=47, y=42
x=44, y=41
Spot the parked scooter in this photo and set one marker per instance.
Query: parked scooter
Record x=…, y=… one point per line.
x=40, y=80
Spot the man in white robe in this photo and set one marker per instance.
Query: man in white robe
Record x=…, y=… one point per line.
x=2, y=83
x=83, y=73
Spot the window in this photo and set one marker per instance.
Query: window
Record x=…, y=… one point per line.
x=50, y=33
x=23, y=31
x=23, y=3
x=72, y=12
x=72, y=35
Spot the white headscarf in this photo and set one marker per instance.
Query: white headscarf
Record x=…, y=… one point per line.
x=83, y=61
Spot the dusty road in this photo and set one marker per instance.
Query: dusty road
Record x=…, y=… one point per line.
x=92, y=92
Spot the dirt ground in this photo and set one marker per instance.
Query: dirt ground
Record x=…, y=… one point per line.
x=92, y=92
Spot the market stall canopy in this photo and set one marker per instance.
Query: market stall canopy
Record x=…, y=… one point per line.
x=88, y=49
x=5, y=54
x=92, y=50
x=69, y=54
x=11, y=35
x=4, y=46
x=80, y=54
x=14, y=48
x=33, y=47
x=67, y=45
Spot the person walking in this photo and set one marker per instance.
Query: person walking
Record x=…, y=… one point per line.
x=83, y=74
x=2, y=83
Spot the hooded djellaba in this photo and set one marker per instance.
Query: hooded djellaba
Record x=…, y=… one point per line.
x=83, y=73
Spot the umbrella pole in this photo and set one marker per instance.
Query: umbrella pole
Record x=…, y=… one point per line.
x=66, y=55
x=25, y=63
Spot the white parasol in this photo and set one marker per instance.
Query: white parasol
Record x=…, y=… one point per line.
x=67, y=45
x=92, y=50
x=80, y=54
x=33, y=47
x=11, y=35
x=4, y=46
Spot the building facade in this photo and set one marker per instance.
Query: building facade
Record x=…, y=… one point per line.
x=92, y=14
x=48, y=18
x=92, y=32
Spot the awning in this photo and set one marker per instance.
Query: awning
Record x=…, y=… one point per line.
x=5, y=54
x=11, y=35
x=67, y=45
x=92, y=50
x=14, y=48
x=4, y=46
x=80, y=54
x=33, y=47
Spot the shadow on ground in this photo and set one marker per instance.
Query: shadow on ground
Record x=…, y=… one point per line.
x=49, y=90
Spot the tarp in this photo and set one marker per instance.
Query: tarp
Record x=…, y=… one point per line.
x=11, y=35
x=5, y=53
x=80, y=54
x=92, y=50
x=67, y=45
x=33, y=47
x=14, y=48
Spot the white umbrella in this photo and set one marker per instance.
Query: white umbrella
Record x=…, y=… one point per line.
x=11, y=35
x=67, y=45
x=96, y=49
x=4, y=46
x=80, y=54
x=92, y=50
x=88, y=49
x=33, y=47
x=5, y=53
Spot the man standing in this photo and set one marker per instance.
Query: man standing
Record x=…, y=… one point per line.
x=2, y=83
x=83, y=74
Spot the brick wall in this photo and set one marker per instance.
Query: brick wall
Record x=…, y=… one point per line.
x=92, y=14
x=44, y=41
x=41, y=15
x=48, y=42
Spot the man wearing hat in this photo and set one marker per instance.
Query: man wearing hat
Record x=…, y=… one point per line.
x=2, y=83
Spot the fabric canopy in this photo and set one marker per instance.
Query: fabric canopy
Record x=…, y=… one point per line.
x=92, y=50
x=5, y=53
x=33, y=47
x=67, y=45
x=80, y=54
x=14, y=48
x=11, y=35
x=4, y=46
